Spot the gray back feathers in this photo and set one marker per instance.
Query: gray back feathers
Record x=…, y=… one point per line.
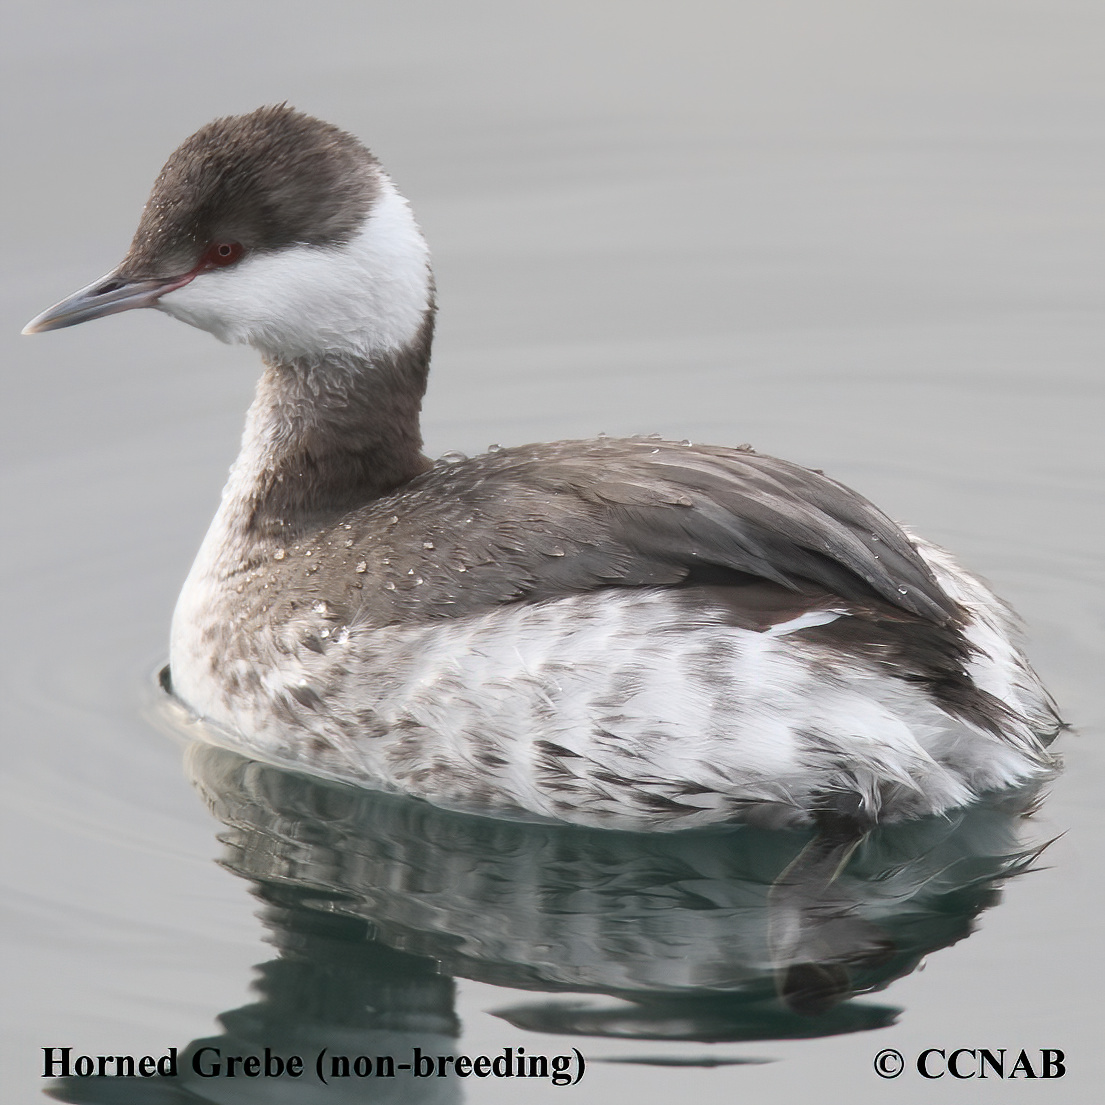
x=542, y=521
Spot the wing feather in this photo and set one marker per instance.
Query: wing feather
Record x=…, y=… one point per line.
x=544, y=521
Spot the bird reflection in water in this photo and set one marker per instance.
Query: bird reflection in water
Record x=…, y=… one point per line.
x=377, y=902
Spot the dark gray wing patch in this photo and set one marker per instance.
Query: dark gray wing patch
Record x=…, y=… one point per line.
x=544, y=521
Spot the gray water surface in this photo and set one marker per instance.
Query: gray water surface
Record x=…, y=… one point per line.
x=867, y=237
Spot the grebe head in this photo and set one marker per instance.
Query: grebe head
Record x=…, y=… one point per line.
x=276, y=229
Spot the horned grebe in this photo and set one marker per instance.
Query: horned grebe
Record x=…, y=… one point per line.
x=629, y=633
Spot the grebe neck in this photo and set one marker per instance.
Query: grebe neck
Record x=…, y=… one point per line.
x=324, y=437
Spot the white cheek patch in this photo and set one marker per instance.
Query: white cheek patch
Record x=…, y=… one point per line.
x=368, y=296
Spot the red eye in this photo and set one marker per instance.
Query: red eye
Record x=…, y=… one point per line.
x=219, y=254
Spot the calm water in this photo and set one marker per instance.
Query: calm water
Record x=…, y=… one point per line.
x=866, y=237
